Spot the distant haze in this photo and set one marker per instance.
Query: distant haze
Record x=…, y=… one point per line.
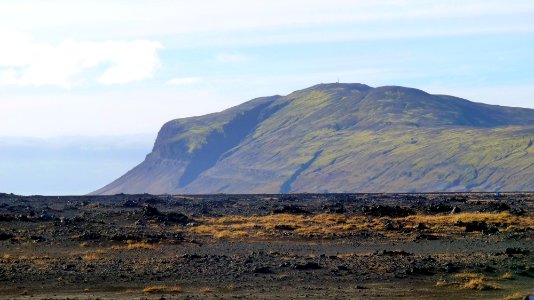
x=67, y=165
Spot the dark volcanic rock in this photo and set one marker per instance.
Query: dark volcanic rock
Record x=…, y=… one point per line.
x=150, y=211
x=177, y=218
x=514, y=251
x=307, y=266
x=335, y=209
x=130, y=203
x=455, y=210
x=426, y=237
x=262, y=270
x=439, y=208
x=89, y=236
x=284, y=227
x=291, y=209
x=421, y=270
x=5, y=236
x=6, y=218
x=392, y=225
x=496, y=207
x=450, y=268
x=394, y=253
x=474, y=226
x=387, y=211
x=421, y=226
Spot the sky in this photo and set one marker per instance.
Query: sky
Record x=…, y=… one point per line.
x=110, y=73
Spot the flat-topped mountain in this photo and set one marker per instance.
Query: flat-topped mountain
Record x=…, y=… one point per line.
x=341, y=138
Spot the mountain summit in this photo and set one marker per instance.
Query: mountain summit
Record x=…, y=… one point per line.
x=341, y=138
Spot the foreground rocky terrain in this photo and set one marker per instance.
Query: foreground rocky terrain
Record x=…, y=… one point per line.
x=343, y=246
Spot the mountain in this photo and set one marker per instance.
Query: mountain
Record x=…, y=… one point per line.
x=341, y=138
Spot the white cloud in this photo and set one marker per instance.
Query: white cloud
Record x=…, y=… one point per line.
x=184, y=81
x=25, y=62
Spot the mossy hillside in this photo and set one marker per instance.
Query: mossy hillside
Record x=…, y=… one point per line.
x=348, y=137
x=455, y=162
x=192, y=133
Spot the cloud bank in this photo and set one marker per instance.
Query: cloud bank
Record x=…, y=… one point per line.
x=25, y=62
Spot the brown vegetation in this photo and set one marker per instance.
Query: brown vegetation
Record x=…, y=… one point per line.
x=515, y=296
x=480, y=284
x=507, y=276
x=133, y=245
x=235, y=227
x=154, y=289
x=473, y=281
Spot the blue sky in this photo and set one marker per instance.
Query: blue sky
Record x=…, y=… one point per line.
x=96, y=69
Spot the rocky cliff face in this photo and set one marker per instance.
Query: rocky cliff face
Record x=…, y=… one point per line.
x=341, y=138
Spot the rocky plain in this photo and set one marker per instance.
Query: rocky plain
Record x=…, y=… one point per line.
x=290, y=246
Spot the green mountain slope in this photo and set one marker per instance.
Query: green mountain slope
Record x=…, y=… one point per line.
x=341, y=138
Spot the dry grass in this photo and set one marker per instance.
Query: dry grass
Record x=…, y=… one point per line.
x=142, y=245
x=480, y=284
x=90, y=256
x=260, y=226
x=515, y=296
x=473, y=281
x=507, y=276
x=93, y=255
x=230, y=234
x=133, y=245
x=504, y=219
x=155, y=289
x=469, y=276
x=321, y=225
x=476, y=281
x=206, y=290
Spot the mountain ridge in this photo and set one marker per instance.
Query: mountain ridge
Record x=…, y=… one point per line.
x=341, y=137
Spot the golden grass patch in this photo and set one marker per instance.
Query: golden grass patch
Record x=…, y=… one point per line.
x=7, y=257
x=230, y=234
x=323, y=225
x=206, y=290
x=141, y=245
x=491, y=218
x=270, y=225
x=90, y=256
x=469, y=276
x=507, y=276
x=515, y=296
x=475, y=281
x=155, y=289
x=93, y=255
x=480, y=284
x=133, y=245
